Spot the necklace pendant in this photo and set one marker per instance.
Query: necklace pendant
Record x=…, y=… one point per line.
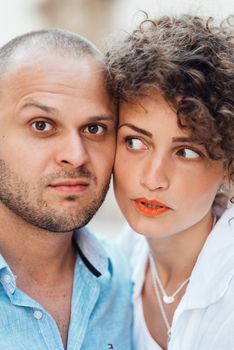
x=168, y=336
x=167, y=299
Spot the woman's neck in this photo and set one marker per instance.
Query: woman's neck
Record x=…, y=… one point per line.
x=175, y=256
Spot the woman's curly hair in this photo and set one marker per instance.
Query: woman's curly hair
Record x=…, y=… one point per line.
x=190, y=61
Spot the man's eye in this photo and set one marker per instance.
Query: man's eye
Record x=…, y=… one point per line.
x=41, y=125
x=94, y=129
x=134, y=143
x=188, y=153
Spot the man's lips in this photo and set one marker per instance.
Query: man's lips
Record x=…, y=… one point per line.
x=150, y=207
x=69, y=186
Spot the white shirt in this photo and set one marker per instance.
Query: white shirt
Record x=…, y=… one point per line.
x=204, y=318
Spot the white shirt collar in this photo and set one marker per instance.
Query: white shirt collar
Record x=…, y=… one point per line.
x=214, y=267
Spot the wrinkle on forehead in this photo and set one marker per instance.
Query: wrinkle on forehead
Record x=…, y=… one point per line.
x=48, y=62
x=54, y=72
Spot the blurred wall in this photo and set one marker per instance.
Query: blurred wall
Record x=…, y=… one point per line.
x=91, y=18
x=18, y=17
x=97, y=19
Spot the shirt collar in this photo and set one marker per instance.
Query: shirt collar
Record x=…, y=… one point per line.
x=214, y=267
x=91, y=251
x=138, y=264
x=3, y=263
x=7, y=278
x=212, y=272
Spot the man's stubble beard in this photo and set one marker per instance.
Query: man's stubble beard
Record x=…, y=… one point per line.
x=31, y=207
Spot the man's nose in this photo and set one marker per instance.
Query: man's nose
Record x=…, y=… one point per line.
x=156, y=174
x=72, y=152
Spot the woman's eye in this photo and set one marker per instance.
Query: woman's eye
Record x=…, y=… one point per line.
x=188, y=153
x=94, y=129
x=135, y=144
x=41, y=125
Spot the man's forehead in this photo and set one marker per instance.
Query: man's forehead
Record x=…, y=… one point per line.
x=45, y=66
x=50, y=76
x=42, y=56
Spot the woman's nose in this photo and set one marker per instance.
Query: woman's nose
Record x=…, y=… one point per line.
x=156, y=174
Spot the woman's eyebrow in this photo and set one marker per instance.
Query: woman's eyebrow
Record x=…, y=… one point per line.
x=183, y=139
x=137, y=129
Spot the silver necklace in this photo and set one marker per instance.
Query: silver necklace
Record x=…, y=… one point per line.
x=167, y=299
x=161, y=306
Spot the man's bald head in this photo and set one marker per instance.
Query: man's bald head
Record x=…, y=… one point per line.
x=59, y=41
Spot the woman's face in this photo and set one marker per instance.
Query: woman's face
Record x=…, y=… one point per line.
x=164, y=183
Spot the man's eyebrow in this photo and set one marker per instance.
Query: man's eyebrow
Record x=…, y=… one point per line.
x=101, y=117
x=137, y=129
x=45, y=108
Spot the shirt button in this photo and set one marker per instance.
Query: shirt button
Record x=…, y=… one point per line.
x=7, y=279
x=37, y=314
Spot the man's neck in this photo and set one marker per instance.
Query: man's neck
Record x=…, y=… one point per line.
x=43, y=263
x=31, y=251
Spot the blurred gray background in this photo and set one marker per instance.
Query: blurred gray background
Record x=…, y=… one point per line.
x=98, y=20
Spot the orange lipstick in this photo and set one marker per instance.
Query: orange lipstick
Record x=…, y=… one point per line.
x=150, y=207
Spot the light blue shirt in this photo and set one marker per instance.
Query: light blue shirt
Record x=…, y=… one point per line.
x=101, y=314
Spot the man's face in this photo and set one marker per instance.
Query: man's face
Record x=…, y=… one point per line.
x=57, y=140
